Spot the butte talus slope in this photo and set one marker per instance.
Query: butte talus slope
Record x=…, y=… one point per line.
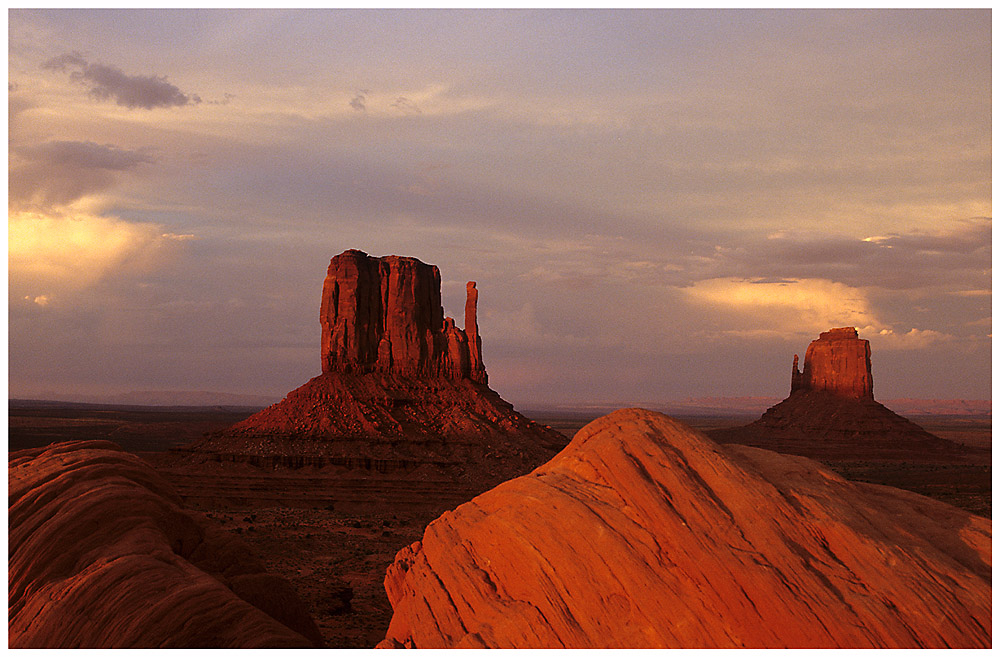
x=401, y=387
x=103, y=555
x=831, y=413
x=643, y=533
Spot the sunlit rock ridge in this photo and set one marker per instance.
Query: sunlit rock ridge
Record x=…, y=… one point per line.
x=643, y=533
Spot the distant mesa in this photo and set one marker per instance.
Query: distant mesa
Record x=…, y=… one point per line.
x=101, y=554
x=831, y=413
x=642, y=533
x=838, y=363
x=402, y=387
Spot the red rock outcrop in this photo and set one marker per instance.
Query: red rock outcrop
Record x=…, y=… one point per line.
x=839, y=363
x=402, y=387
x=385, y=315
x=102, y=555
x=643, y=533
x=831, y=413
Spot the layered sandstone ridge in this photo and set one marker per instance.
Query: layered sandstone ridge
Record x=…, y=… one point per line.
x=385, y=315
x=831, y=413
x=402, y=389
x=642, y=533
x=102, y=555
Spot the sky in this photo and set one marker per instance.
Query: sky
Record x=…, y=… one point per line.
x=655, y=204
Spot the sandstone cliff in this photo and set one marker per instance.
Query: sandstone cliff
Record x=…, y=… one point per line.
x=839, y=363
x=102, y=555
x=385, y=315
x=402, y=387
x=643, y=533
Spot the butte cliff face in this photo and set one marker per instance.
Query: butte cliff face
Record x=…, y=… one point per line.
x=831, y=412
x=402, y=387
x=103, y=555
x=643, y=533
x=838, y=363
x=385, y=315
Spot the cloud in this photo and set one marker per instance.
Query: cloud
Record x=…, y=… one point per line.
x=110, y=83
x=889, y=340
x=50, y=255
x=959, y=254
x=62, y=172
x=358, y=102
x=405, y=105
x=799, y=306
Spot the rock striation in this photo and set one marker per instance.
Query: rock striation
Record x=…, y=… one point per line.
x=831, y=413
x=101, y=554
x=643, y=533
x=402, y=388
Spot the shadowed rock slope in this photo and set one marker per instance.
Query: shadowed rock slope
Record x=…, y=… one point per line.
x=643, y=533
x=101, y=555
x=831, y=413
x=401, y=387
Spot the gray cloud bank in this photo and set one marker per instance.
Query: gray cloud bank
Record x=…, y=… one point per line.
x=60, y=172
x=132, y=91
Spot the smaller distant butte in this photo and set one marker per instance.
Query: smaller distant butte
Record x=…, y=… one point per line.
x=402, y=388
x=831, y=413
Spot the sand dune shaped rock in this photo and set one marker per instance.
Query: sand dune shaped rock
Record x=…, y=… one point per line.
x=102, y=555
x=643, y=533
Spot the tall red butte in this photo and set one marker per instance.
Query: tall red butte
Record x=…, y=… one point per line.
x=402, y=387
x=831, y=413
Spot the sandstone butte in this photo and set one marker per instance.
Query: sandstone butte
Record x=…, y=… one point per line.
x=643, y=533
x=101, y=554
x=831, y=413
x=402, y=387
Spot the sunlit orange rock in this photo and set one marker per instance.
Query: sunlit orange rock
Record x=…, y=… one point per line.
x=102, y=555
x=839, y=363
x=831, y=413
x=643, y=533
x=402, y=387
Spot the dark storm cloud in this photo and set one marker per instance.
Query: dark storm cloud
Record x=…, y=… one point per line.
x=60, y=172
x=110, y=83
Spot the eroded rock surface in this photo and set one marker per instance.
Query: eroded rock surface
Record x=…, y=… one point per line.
x=102, y=555
x=642, y=533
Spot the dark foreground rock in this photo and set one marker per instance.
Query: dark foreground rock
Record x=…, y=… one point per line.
x=643, y=533
x=102, y=555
